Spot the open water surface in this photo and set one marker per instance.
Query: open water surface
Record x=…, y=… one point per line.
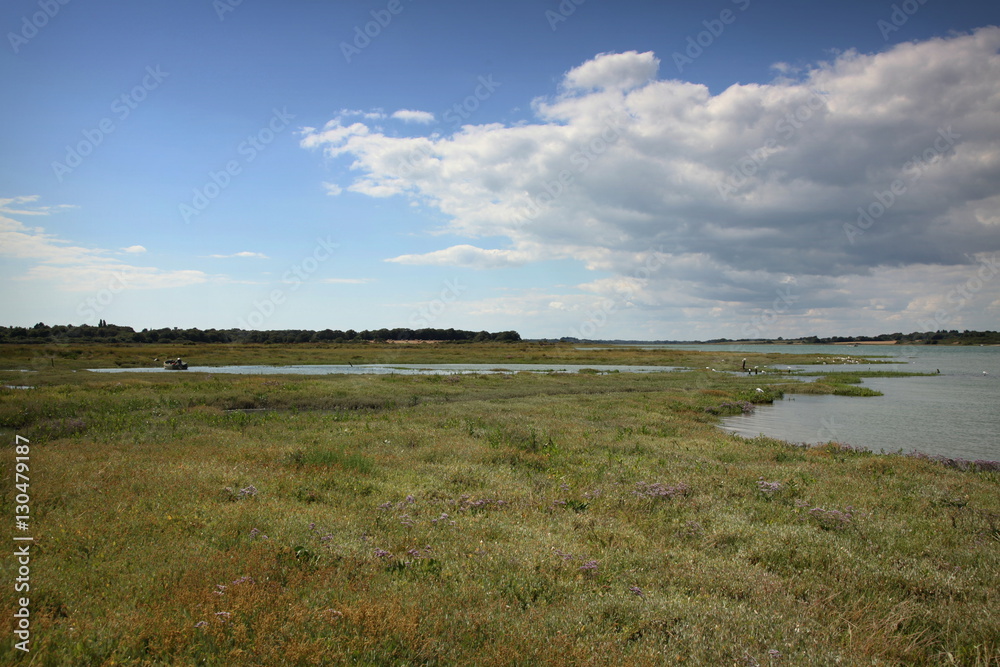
x=955, y=414
x=399, y=369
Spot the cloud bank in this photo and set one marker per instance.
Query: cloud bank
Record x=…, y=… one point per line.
x=869, y=171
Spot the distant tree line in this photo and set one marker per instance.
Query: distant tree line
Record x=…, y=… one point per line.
x=942, y=337
x=953, y=337
x=113, y=333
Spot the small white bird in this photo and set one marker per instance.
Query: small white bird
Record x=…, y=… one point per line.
x=759, y=390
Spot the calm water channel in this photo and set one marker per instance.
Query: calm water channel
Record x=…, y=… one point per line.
x=399, y=369
x=955, y=413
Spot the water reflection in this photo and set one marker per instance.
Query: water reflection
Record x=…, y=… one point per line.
x=401, y=369
x=953, y=416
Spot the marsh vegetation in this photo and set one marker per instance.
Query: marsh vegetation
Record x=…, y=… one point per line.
x=195, y=518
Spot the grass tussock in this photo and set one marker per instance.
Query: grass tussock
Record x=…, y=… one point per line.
x=492, y=520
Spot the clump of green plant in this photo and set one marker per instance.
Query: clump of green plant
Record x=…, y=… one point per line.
x=329, y=457
x=731, y=408
x=828, y=519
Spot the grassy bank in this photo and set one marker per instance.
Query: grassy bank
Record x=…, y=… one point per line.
x=82, y=356
x=523, y=519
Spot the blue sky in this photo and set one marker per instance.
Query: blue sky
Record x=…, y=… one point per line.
x=639, y=170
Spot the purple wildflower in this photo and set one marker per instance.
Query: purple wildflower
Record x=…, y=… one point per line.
x=746, y=407
x=768, y=488
x=466, y=503
x=959, y=463
x=692, y=529
x=443, y=517
x=659, y=490
x=381, y=553
x=833, y=519
x=589, y=565
x=201, y=624
x=636, y=591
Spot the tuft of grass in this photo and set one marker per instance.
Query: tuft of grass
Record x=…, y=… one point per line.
x=327, y=457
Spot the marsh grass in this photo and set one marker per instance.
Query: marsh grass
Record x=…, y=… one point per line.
x=494, y=520
x=845, y=383
x=320, y=457
x=63, y=357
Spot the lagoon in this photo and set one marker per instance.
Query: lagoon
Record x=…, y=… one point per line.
x=955, y=414
x=400, y=369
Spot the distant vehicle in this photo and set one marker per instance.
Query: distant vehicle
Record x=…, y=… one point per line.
x=175, y=365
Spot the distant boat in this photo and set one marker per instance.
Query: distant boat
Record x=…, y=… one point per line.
x=175, y=365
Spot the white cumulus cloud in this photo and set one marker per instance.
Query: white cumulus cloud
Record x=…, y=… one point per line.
x=412, y=116
x=241, y=254
x=879, y=164
x=619, y=71
x=467, y=256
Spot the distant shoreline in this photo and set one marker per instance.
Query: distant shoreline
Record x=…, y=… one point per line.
x=866, y=342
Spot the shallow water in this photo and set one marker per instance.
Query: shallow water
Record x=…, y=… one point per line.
x=399, y=369
x=955, y=413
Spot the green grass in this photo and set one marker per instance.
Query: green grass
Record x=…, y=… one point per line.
x=481, y=519
x=52, y=357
